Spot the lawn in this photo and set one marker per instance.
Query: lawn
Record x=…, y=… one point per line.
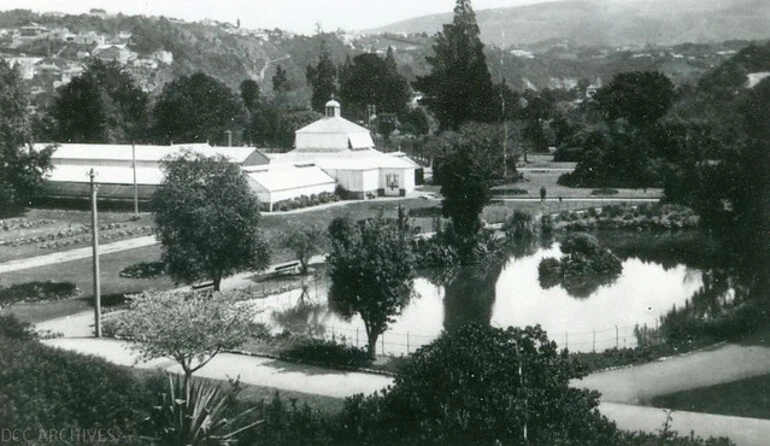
x=535, y=179
x=749, y=397
x=80, y=273
x=421, y=211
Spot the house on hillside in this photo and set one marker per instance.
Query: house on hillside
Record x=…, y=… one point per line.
x=755, y=78
x=26, y=65
x=114, y=52
x=32, y=31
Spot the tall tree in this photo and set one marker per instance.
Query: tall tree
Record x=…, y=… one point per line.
x=281, y=83
x=207, y=220
x=197, y=108
x=465, y=168
x=459, y=86
x=371, y=265
x=323, y=79
x=103, y=104
x=21, y=168
x=368, y=80
x=641, y=98
x=250, y=94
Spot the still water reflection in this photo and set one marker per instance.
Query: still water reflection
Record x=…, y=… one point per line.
x=503, y=296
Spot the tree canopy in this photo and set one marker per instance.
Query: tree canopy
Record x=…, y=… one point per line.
x=371, y=80
x=641, y=98
x=207, y=219
x=466, y=166
x=323, y=79
x=190, y=327
x=21, y=168
x=483, y=385
x=101, y=105
x=197, y=108
x=371, y=266
x=459, y=86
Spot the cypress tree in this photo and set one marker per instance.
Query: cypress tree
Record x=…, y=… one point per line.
x=459, y=86
x=323, y=79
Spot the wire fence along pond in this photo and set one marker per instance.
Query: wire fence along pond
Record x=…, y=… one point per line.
x=309, y=314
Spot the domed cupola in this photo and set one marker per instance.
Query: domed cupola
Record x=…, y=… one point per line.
x=333, y=109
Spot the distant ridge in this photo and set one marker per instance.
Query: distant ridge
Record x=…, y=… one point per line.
x=611, y=22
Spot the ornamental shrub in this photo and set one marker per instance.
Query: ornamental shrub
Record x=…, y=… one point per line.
x=41, y=387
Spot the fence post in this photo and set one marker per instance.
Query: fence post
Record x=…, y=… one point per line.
x=594, y=343
x=382, y=342
x=333, y=340
x=617, y=339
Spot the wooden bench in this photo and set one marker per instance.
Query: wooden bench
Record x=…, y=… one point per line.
x=203, y=286
x=287, y=268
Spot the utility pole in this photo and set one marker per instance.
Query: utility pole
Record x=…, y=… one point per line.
x=95, y=244
x=502, y=101
x=521, y=386
x=136, y=188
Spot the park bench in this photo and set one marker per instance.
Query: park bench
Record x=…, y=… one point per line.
x=287, y=268
x=203, y=286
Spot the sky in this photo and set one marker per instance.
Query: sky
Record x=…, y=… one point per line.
x=298, y=16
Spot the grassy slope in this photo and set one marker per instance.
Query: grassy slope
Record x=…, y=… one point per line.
x=745, y=398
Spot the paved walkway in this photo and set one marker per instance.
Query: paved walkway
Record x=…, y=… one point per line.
x=742, y=431
x=621, y=389
x=75, y=254
x=639, y=384
x=251, y=370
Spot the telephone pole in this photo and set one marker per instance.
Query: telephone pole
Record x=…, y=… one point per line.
x=502, y=102
x=95, y=244
x=136, y=188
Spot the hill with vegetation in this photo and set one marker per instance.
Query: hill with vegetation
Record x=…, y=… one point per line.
x=232, y=54
x=607, y=22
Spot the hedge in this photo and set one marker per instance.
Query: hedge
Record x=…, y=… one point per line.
x=43, y=387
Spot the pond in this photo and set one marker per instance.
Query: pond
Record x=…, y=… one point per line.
x=604, y=316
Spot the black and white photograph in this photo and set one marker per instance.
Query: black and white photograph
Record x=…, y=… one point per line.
x=385, y=222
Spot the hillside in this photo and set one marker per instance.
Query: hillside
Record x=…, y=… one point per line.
x=231, y=54
x=611, y=22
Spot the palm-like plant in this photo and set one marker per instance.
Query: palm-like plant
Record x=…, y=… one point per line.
x=195, y=413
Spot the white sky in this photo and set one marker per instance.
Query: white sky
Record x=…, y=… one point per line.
x=293, y=15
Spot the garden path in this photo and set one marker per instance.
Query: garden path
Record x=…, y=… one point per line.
x=639, y=384
x=621, y=389
x=258, y=371
x=75, y=254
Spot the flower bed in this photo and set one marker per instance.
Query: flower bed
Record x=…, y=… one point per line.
x=648, y=216
x=103, y=237
x=604, y=191
x=12, y=224
x=301, y=202
x=143, y=270
x=509, y=191
x=37, y=292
